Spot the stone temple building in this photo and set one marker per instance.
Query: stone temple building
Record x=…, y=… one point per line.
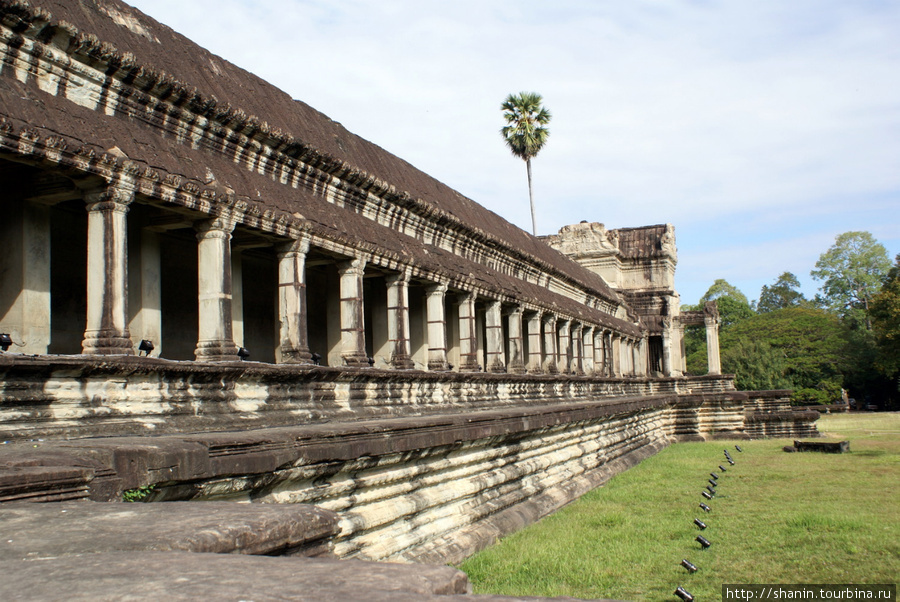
x=418, y=366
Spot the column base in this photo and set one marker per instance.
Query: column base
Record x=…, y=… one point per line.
x=355, y=361
x=216, y=351
x=551, y=368
x=402, y=362
x=469, y=365
x=105, y=342
x=296, y=357
x=517, y=368
x=497, y=368
x=439, y=366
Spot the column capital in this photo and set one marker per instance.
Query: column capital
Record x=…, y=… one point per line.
x=437, y=288
x=292, y=247
x=108, y=196
x=214, y=226
x=355, y=266
x=403, y=277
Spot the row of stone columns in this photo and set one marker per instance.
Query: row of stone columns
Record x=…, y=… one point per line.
x=555, y=345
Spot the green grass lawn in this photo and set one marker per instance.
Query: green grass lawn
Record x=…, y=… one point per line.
x=777, y=518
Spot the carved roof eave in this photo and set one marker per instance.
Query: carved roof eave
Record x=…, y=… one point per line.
x=30, y=21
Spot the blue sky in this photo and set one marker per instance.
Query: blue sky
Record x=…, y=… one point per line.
x=760, y=129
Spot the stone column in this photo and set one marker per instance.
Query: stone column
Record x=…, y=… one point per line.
x=496, y=360
x=25, y=274
x=667, y=367
x=616, y=354
x=712, y=344
x=534, y=344
x=468, y=343
x=398, y=320
x=215, y=340
x=144, y=290
x=292, y=310
x=577, y=351
x=642, y=358
x=437, y=327
x=516, y=349
x=106, y=332
x=587, y=345
x=550, y=342
x=565, y=347
x=353, y=328
x=599, y=352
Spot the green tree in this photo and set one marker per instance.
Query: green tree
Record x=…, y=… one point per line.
x=851, y=271
x=884, y=310
x=805, y=348
x=526, y=132
x=784, y=293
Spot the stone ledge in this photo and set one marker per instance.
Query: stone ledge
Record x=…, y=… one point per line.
x=41, y=531
x=189, y=576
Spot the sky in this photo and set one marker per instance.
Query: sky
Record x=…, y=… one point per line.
x=761, y=129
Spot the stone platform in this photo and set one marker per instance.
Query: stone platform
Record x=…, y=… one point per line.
x=188, y=551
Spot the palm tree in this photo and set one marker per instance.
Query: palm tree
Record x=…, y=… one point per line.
x=525, y=132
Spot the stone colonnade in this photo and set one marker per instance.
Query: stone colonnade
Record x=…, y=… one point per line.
x=489, y=334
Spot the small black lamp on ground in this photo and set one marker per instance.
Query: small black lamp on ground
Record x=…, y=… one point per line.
x=703, y=541
x=711, y=490
x=738, y=447
x=146, y=346
x=243, y=353
x=705, y=507
x=700, y=523
x=684, y=594
x=5, y=341
x=722, y=468
x=711, y=482
x=688, y=565
x=730, y=461
x=714, y=475
x=316, y=358
x=706, y=494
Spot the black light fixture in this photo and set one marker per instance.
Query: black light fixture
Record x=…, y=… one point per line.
x=688, y=565
x=727, y=455
x=703, y=541
x=700, y=523
x=731, y=462
x=711, y=482
x=243, y=353
x=706, y=494
x=146, y=346
x=705, y=507
x=684, y=594
x=722, y=468
x=5, y=341
x=711, y=490
x=714, y=475
x=316, y=358
x=738, y=447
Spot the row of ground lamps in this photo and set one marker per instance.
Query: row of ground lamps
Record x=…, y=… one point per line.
x=709, y=493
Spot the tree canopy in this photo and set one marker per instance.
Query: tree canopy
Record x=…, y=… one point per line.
x=851, y=271
x=784, y=293
x=526, y=132
x=885, y=313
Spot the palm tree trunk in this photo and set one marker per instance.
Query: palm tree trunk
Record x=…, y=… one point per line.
x=531, y=197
